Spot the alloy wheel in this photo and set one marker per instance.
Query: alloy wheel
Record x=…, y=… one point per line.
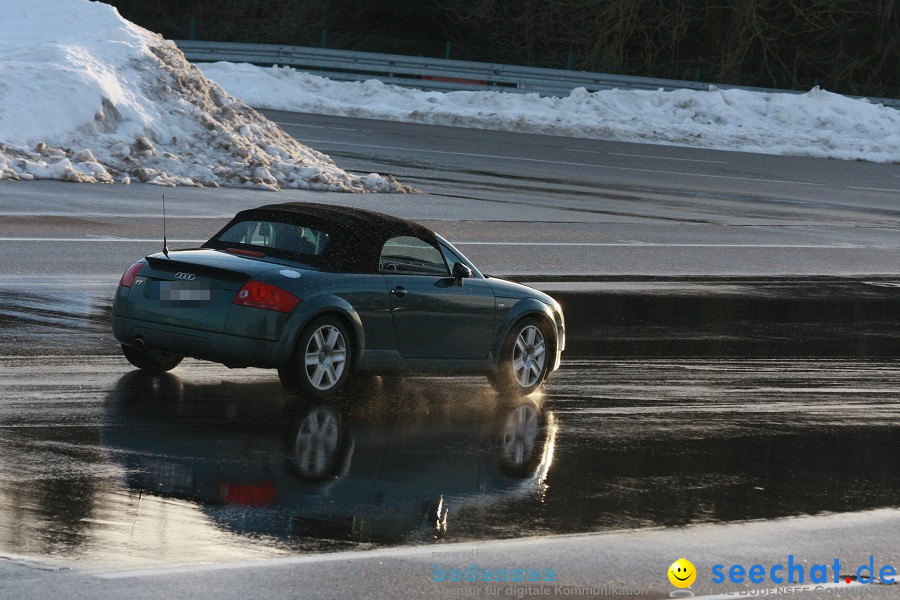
x=326, y=357
x=529, y=356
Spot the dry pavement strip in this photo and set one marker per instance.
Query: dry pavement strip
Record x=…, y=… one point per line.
x=635, y=560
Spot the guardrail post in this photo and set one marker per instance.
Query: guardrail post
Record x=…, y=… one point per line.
x=193, y=33
x=570, y=61
x=324, y=38
x=447, y=50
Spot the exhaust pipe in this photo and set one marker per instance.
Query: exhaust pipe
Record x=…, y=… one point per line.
x=139, y=343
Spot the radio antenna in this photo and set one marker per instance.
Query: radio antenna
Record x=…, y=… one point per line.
x=165, y=243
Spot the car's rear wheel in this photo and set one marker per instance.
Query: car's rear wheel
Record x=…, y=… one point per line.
x=322, y=361
x=151, y=361
x=524, y=358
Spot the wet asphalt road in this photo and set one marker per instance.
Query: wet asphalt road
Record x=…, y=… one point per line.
x=115, y=473
x=518, y=204
x=105, y=466
x=705, y=386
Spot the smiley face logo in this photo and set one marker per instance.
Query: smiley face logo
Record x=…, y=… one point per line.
x=682, y=573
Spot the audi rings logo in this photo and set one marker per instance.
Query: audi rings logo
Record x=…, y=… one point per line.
x=185, y=276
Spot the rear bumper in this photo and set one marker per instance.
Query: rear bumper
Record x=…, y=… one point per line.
x=231, y=350
x=252, y=338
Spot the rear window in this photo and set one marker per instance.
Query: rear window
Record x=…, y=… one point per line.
x=287, y=237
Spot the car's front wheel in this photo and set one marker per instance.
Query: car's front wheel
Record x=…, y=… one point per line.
x=151, y=361
x=322, y=362
x=524, y=358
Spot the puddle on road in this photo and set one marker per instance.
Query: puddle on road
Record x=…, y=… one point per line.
x=108, y=466
x=70, y=321
x=733, y=318
x=211, y=464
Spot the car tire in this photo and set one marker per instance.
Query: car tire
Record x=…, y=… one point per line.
x=151, y=361
x=525, y=358
x=322, y=361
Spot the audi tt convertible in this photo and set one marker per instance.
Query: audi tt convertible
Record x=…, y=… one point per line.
x=322, y=293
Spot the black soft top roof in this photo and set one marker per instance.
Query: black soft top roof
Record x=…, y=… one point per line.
x=357, y=235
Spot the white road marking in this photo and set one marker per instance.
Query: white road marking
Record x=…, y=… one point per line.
x=101, y=240
x=157, y=215
x=321, y=126
x=715, y=162
x=709, y=176
x=56, y=284
x=853, y=187
x=666, y=245
x=556, y=162
x=488, y=243
x=105, y=238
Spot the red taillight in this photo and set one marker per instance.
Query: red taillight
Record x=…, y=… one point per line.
x=264, y=295
x=129, y=275
x=242, y=252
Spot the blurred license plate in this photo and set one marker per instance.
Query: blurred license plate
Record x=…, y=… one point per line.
x=181, y=293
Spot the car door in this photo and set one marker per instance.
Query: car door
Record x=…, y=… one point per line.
x=433, y=317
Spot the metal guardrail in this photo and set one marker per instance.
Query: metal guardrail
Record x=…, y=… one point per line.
x=440, y=74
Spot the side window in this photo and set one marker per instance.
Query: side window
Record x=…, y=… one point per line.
x=450, y=256
x=407, y=254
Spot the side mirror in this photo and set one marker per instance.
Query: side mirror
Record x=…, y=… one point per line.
x=460, y=272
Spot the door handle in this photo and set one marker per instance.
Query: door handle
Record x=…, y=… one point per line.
x=399, y=291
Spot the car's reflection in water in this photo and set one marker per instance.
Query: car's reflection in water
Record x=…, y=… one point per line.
x=386, y=465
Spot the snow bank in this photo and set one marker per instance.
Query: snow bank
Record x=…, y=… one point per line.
x=87, y=96
x=818, y=123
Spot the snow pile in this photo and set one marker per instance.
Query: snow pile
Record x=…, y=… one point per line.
x=87, y=96
x=818, y=123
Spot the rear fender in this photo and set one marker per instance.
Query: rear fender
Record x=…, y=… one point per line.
x=305, y=312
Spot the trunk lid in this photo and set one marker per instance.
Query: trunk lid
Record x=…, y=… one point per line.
x=191, y=288
x=211, y=263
